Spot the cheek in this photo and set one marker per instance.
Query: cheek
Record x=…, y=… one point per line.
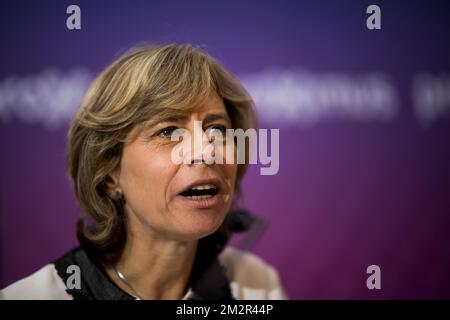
x=230, y=173
x=145, y=176
x=228, y=152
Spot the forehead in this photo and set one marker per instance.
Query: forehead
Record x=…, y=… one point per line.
x=212, y=104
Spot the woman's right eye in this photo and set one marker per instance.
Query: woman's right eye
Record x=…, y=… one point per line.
x=166, y=132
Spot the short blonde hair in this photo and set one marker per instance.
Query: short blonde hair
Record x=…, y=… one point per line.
x=144, y=84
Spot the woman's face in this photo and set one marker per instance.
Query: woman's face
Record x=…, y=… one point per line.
x=185, y=201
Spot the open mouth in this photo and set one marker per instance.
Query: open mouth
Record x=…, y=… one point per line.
x=201, y=192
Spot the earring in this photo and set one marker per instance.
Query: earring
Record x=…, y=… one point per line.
x=115, y=195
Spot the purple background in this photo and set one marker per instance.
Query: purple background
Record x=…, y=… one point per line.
x=347, y=195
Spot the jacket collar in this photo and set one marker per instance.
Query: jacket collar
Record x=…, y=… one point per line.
x=209, y=281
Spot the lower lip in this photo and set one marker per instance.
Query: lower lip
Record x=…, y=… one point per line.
x=201, y=204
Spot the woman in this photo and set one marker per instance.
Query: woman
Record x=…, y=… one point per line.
x=156, y=227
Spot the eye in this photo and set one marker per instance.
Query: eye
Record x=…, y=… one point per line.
x=216, y=130
x=166, y=132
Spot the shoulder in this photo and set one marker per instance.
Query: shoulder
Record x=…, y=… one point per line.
x=250, y=276
x=44, y=284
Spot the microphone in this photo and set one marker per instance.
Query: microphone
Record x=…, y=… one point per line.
x=240, y=221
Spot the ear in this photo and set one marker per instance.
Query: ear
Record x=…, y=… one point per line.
x=112, y=185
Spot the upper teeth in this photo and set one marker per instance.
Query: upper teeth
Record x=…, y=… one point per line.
x=204, y=187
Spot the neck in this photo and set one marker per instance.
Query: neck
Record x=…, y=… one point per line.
x=154, y=267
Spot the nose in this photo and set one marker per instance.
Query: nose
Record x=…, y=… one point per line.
x=201, y=149
x=197, y=161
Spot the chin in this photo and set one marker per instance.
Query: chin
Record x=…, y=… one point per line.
x=196, y=229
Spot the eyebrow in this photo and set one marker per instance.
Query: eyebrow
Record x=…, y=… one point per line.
x=209, y=118
x=217, y=116
x=174, y=118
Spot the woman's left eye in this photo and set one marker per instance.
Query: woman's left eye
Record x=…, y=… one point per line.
x=216, y=129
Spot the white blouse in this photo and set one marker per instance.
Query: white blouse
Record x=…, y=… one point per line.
x=250, y=278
